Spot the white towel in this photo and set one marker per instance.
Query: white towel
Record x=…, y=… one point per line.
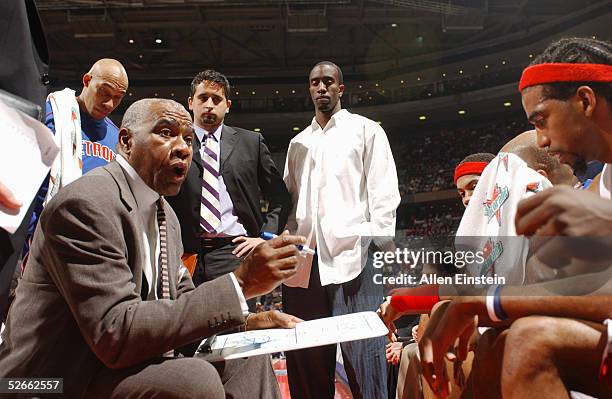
x=605, y=182
x=488, y=221
x=68, y=165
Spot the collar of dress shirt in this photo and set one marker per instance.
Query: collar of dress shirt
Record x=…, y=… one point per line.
x=145, y=195
x=333, y=121
x=200, y=132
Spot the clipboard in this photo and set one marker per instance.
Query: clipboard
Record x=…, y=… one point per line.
x=308, y=334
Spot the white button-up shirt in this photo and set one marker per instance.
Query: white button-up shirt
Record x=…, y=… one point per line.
x=146, y=198
x=343, y=183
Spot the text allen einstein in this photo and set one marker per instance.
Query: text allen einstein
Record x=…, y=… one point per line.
x=457, y=279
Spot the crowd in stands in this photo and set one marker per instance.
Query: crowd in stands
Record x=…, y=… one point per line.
x=357, y=95
x=439, y=153
x=429, y=219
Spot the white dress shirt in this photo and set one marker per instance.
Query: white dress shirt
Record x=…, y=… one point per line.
x=230, y=225
x=343, y=183
x=146, y=198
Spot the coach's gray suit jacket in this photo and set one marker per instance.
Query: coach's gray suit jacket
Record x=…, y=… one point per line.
x=78, y=307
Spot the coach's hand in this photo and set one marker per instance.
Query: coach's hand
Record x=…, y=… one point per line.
x=271, y=319
x=268, y=265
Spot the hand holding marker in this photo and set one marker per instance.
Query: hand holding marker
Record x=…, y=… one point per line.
x=303, y=248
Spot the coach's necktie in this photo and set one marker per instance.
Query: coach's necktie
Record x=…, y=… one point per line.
x=163, y=250
x=163, y=257
x=210, y=214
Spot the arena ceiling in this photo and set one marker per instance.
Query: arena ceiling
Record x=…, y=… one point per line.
x=173, y=39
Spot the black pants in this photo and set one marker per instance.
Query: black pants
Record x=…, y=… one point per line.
x=216, y=263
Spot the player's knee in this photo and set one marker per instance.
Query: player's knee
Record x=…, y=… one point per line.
x=533, y=333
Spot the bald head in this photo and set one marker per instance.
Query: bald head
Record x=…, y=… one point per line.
x=109, y=67
x=103, y=88
x=525, y=147
x=142, y=111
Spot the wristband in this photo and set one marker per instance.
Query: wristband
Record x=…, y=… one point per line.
x=423, y=299
x=499, y=311
x=493, y=302
x=490, y=302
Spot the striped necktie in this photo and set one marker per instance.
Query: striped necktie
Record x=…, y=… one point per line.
x=163, y=250
x=163, y=257
x=210, y=214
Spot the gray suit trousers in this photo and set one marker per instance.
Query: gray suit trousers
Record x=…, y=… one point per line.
x=186, y=378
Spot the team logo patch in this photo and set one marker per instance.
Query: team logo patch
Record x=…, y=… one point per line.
x=492, y=206
x=491, y=252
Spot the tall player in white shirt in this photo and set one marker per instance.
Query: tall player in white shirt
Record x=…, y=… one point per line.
x=342, y=179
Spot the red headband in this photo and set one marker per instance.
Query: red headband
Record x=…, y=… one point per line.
x=560, y=72
x=469, y=168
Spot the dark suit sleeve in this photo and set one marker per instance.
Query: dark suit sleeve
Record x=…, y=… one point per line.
x=274, y=190
x=85, y=249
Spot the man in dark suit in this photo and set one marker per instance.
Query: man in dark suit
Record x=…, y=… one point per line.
x=23, y=72
x=219, y=204
x=105, y=297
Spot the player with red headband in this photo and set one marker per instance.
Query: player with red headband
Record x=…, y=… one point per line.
x=468, y=172
x=557, y=343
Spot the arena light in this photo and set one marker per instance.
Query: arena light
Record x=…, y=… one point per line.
x=394, y=25
x=530, y=55
x=379, y=122
x=443, y=75
x=257, y=130
x=158, y=40
x=295, y=129
x=418, y=78
x=461, y=112
x=486, y=66
x=461, y=72
x=422, y=117
x=503, y=62
x=253, y=93
x=237, y=93
x=131, y=41
x=171, y=94
x=292, y=91
x=401, y=81
x=276, y=92
x=507, y=104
